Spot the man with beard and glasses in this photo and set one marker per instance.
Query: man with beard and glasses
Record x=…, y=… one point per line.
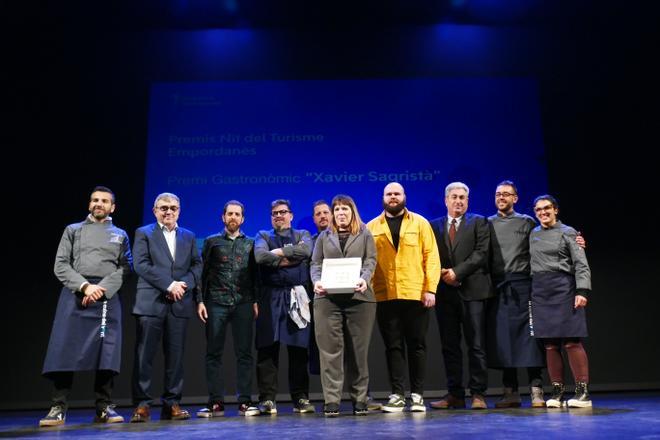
x=169, y=267
x=284, y=318
x=406, y=276
x=92, y=261
x=228, y=295
x=510, y=342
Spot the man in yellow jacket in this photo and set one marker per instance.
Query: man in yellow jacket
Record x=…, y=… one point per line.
x=406, y=277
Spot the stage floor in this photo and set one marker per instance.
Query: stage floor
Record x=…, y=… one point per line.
x=621, y=416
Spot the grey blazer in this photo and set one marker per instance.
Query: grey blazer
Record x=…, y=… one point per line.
x=361, y=245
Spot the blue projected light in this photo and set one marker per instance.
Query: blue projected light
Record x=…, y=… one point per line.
x=256, y=141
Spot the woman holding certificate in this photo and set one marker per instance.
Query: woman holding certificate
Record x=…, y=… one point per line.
x=344, y=316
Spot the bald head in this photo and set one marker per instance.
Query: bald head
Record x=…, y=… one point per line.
x=394, y=199
x=394, y=187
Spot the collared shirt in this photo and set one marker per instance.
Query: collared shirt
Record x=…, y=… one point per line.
x=229, y=276
x=170, y=237
x=554, y=250
x=93, y=249
x=458, y=221
x=93, y=220
x=411, y=270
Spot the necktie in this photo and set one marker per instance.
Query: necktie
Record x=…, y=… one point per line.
x=452, y=231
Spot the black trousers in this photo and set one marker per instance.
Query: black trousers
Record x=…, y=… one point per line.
x=455, y=318
x=268, y=361
x=510, y=377
x=152, y=331
x=403, y=325
x=63, y=382
x=241, y=318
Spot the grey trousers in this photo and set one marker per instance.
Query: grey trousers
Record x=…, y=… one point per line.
x=343, y=331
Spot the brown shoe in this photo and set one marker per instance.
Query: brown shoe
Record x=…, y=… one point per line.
x=141, y=415
x=449, y=402
x=536, y=394
x=478, y=402
x=174, y=412
x=510, y=399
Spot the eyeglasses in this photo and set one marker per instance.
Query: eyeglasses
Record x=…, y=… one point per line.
x=504, y=194
x=164, y=208
x=544, y=208
x=280, y=212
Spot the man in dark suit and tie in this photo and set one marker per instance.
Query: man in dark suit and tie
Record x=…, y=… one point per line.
x=169, y=267
x=463, y=241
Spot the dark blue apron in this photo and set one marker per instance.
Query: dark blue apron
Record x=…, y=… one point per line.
x=510, y=343
x=273, y=324
x=85, y=338
x=553, y=313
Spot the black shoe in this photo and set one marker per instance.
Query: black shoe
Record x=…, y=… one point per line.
x=556, y=400
x=216, y=409
x=331, y=410
x=248, y=409
x=108, y=415
x=55, y=417
x=581, y=398
x=360, y=409
x=303, y=406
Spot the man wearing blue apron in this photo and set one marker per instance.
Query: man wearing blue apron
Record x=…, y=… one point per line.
x=92, y=262
x=284, y=317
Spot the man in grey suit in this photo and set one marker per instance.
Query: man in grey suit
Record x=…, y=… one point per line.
x=169, y=267
x=463, y=241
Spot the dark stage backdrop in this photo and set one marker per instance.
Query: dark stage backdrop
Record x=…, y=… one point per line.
x=80, y=117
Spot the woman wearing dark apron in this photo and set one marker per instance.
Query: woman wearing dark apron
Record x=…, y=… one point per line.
x=561, y=280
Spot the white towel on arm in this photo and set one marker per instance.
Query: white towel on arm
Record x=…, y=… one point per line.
x=299, y=307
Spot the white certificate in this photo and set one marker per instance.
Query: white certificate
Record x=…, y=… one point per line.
x=340, y=275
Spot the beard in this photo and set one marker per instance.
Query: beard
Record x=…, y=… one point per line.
x=99, y=214
x=394, y=209
x=232, y=226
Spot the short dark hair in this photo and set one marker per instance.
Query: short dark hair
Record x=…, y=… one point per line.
x=234, y=202
x=319, y=203
x=105, y=189
x=508, y=183
x=277, y=202
x=549, y=198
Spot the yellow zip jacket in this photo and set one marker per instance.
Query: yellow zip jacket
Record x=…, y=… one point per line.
x=411, y=271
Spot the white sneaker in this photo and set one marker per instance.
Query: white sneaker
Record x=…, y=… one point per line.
x=417, y=403
x=268, y=407
x=395, y=404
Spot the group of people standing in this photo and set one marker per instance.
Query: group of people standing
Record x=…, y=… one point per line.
x=514, y=291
